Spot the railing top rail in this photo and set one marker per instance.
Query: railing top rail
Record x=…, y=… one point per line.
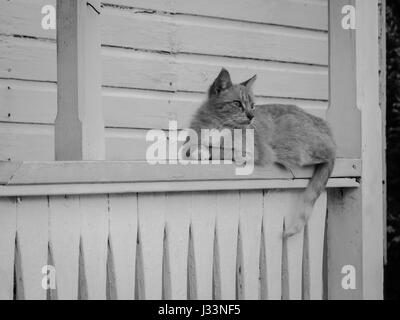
x=94, y=177
x=28, y=173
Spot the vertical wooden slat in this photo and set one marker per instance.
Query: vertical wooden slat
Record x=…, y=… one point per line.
x=151, y=211
x=8, y=225
x=203, y=216
x=32, y=234
x=227, y=224
x=274, y=210
x=79, y=125
x=294, y=250
x=94, y=235
x=123, y=237
x=314, y=250
x=177, y=218
x=251, y=210
x=65, y=222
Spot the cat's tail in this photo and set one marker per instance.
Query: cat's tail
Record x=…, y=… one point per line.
x=314, y=189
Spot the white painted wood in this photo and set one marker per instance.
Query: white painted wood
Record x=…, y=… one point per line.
x=314, y=251
x=250, y=224
x=364, y=248
x=250, y=41
x=344, y=242
x=123, y=238
x=309, y=14
x=123, y=108
x=8, y=226
x=65, y=230
x=94, y=236
x=343, y=115
x=177, y=220
x=292, y=251
x=150, y=187
x=202, y=228
x=79, y=125
x=139, y=171
x=36, y=60
x=151, y=213
x=225, y=254
x=186, y=33
x=275, y=203
x=32, y=235
x=371, y=118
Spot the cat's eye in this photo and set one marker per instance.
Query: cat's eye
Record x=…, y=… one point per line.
x=238, y=104
x=252, y=106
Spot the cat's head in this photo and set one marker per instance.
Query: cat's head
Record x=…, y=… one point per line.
x=232, y=103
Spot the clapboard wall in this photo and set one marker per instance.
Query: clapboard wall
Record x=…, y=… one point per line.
x=159, y=56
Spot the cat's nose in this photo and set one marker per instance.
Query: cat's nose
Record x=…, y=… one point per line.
x=249, y=116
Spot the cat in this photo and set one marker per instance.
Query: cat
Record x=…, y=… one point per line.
x=284, y=134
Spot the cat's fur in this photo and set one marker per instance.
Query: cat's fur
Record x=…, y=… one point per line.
x=284, y=134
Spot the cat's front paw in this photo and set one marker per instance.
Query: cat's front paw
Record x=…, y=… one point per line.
x=241, y=160
x=201, y=154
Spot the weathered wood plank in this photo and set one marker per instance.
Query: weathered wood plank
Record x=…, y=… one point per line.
x=123, y=238
x=131, y=171
x=292, y=251
x=165, y=186
x=202, y=227
x=8, y=227
x=151, y=215
x=225, y=254
x=65, y=231
x=94, y=237
x=31, y=59
x=275, y=203
x=250, y=224
x=32, y=242
x=307, y=14
x=35, y=102
x=187, y=33
x=314, y=251
x=177, y=220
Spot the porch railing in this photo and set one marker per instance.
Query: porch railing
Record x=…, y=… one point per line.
x=130, y=230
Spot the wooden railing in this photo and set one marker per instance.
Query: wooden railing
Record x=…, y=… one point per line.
x=132, y=230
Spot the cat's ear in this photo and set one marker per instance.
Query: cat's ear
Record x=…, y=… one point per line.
x=249, y=83
x=221, y=83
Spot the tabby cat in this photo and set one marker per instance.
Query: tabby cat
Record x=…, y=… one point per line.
x=284, y=134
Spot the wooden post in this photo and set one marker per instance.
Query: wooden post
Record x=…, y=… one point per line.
x=344, y=114
x=354, y=229
x=368, y=95
x=79, y=125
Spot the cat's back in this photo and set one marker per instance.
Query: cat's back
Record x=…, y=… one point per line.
x=296, y=136
x=291, y=115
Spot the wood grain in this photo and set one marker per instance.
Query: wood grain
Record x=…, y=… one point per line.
x=65, y=231
x=32, y=59
x=8, y=227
